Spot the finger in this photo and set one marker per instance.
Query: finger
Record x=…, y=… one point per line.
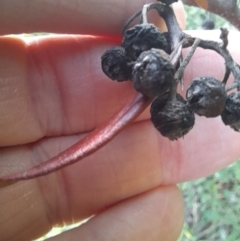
x=191, y=148
x=161, y=208
x=76, y=17
x=138, y=155
x=23, y=215
x=155, y=215
x=59, y=88
x=137, y=160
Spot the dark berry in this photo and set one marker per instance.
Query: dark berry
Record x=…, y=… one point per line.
x=208, y=24
x=153, y=74
x=231, y=112
x=143, y=37
x=172, y=118
x=116, y=65
x=206, y=96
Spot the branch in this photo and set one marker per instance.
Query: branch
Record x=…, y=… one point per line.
x=221, y=49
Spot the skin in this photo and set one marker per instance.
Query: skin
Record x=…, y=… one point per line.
x=53, y=92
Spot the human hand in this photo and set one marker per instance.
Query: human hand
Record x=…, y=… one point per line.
x=53, y=88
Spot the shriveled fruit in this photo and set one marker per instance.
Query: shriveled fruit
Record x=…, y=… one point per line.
x=206, y=96
x=153, y=73
x=172, y=118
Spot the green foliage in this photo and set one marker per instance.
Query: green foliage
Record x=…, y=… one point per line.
x=212, y=204
x=195, y=16
x=212, y=207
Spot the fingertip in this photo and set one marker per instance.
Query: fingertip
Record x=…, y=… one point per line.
x=154, y=215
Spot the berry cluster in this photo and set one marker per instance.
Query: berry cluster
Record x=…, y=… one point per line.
x=119, y=62
x=145, y=58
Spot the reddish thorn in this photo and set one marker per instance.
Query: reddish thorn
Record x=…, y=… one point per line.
x=91, y=143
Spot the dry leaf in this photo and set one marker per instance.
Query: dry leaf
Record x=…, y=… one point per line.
x=202, y=3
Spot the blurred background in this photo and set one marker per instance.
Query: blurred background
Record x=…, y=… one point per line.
x=200, y=19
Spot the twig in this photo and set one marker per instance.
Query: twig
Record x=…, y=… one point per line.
x=224, y=37
x=129, y=21
x=175, y=33
x=226, y=75
x=95, y=140
x=176, y=53
x=144, y=13
x=186, y=61
x=229, y=62
x=225, y=54
x=183, y=65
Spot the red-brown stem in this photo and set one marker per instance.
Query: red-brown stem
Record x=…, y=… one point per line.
x=92, y=142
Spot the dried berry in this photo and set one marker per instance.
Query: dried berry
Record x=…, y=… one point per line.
x=208, y=24
x=143, y=37
x=231, y=112
x=153, y=74
x=116, y=65
x=206, y=96
x=172, y=118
